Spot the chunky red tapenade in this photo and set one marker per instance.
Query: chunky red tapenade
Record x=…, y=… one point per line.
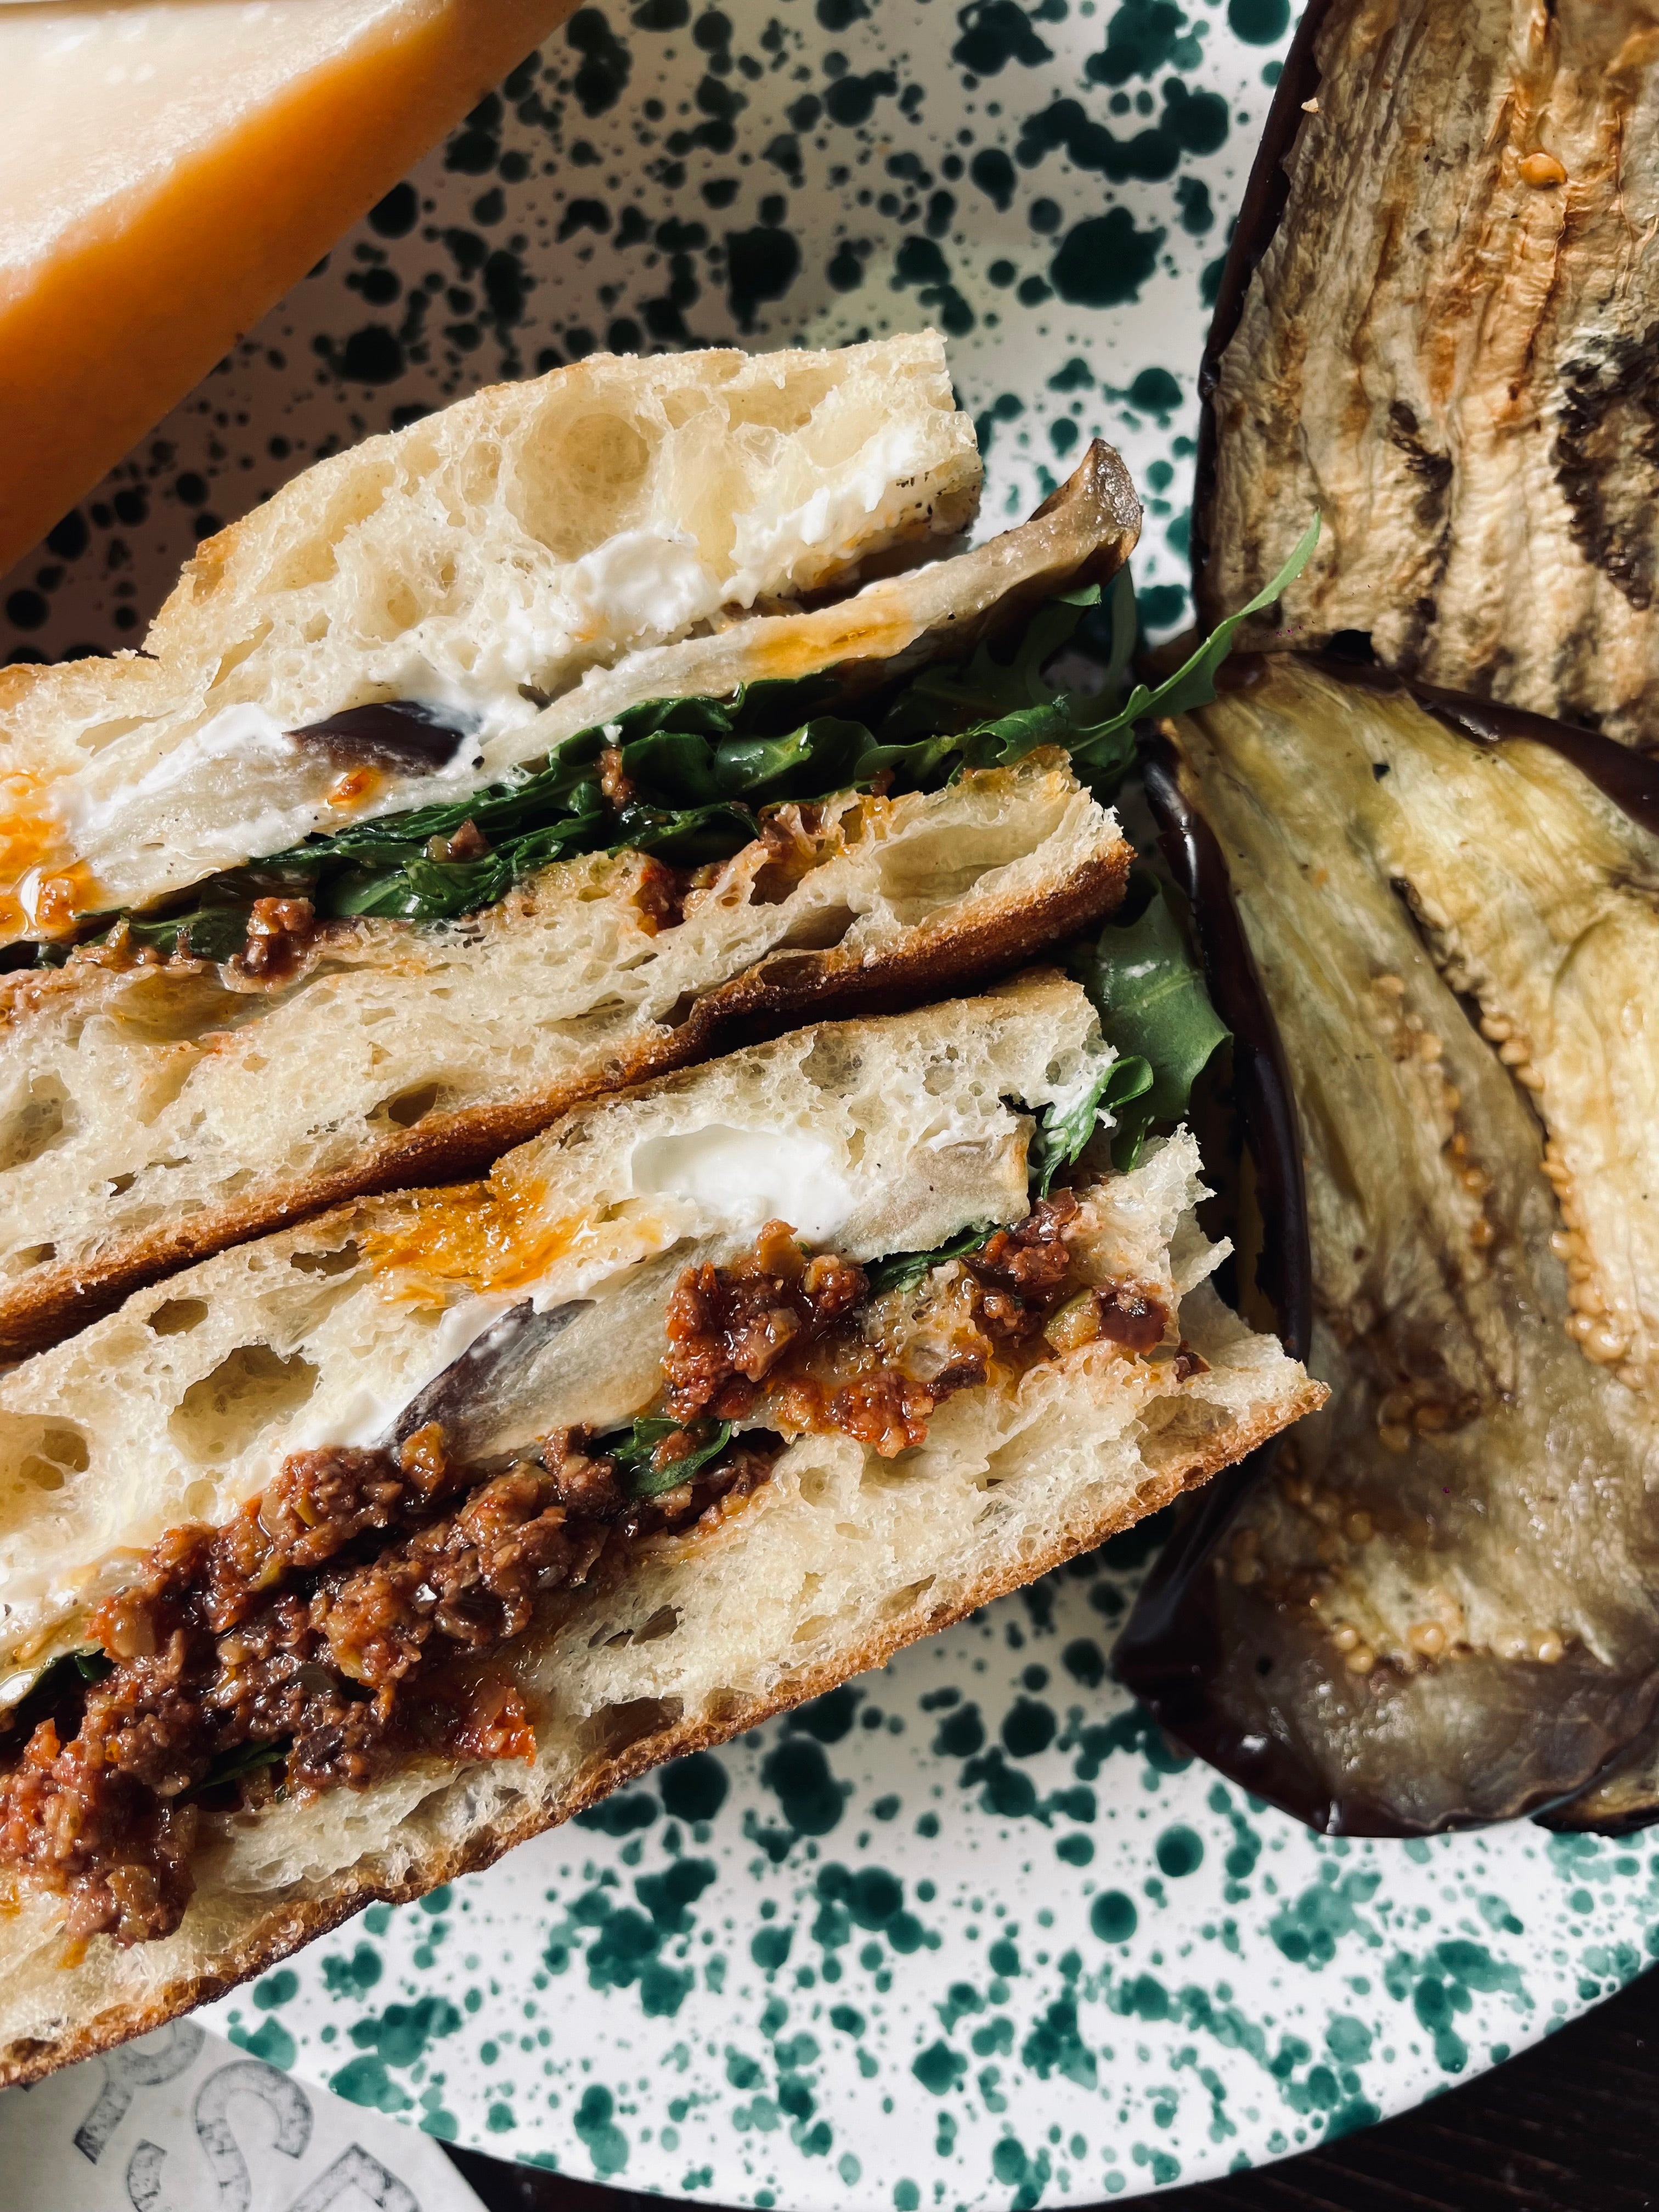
x=346, y=1618
x=789, y=1337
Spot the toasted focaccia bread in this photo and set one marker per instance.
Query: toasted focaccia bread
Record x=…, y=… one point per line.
x=472, y=567
x=184, y=1081
x=718, y=1391
x=152, y=1114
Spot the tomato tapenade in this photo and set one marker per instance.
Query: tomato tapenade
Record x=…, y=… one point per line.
x=347, y=1619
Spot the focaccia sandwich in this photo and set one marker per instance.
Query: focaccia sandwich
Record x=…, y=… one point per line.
x=344, y=1561
x=525, y=753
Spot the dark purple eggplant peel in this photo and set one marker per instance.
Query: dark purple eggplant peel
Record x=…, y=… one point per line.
x=1438, y=325
x=1439, y=1605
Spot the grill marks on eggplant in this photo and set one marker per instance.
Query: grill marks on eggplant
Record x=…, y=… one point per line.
x=1437, y=327
x=1606, y=458
x=1440, y=1607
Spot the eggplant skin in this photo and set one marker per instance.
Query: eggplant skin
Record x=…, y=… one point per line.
x=1440, y=326
x=1441, y=1606
x=1624, y=1797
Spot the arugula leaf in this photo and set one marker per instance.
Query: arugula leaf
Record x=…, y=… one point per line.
x=1060, y=1138
x=902, y=1271
x=1126, y=633
x=698, y=770
x=974, y=695
x=71, y=1673
x=1149, y=995
x=1192, y=684
x=821, y=757
x=210, y=933
x=700, y=834
x=634, y=1449
x=246, y=1759
x=71, y=1670
x=1132, y=1080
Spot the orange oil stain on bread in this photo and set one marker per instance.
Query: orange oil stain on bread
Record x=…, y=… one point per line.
x=43, y=891
x=488, y=1236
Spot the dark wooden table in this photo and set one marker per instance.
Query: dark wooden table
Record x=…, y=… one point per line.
x=1567, y=2127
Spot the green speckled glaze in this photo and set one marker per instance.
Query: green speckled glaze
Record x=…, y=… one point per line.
x=969, y=1932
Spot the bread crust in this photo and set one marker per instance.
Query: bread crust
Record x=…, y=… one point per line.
x=762, y=1001
x=290, y=1928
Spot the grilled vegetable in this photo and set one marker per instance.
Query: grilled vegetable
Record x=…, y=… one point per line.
x=1436, y=323
x=1441, y=1606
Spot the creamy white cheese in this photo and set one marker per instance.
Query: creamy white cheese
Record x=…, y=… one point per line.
x=742, y=1177
x=366, y=1418
x=643, y=581
x=832, y=523
x=244, y=736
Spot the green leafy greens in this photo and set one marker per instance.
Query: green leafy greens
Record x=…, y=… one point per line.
x=1060, y=1138
x=67, y=1676
x=1154, y=1009
x=1149, y=995
x=246, y=1759
x=1153, y=1006
x=1192, y=684
x=697, y=772
x=902, y=1271
x=635, y=1450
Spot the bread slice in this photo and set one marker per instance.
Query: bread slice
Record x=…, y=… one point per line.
x=873, y=1137
x=477, y=562
x=151, y=1115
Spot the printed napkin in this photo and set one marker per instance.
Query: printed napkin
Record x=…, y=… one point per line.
x=182, y=2122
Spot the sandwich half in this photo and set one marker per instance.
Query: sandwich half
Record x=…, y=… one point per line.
x=348, y=1558
x=384, y=946
x=391, y=626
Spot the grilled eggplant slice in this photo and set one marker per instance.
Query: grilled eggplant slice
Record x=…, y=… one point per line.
x=1624, y=1797
x=1437, y=324
x=1441, y=1606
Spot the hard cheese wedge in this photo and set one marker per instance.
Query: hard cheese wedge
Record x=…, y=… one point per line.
x=168, y=170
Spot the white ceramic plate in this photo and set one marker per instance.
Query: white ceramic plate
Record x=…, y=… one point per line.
x=966, y=1932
